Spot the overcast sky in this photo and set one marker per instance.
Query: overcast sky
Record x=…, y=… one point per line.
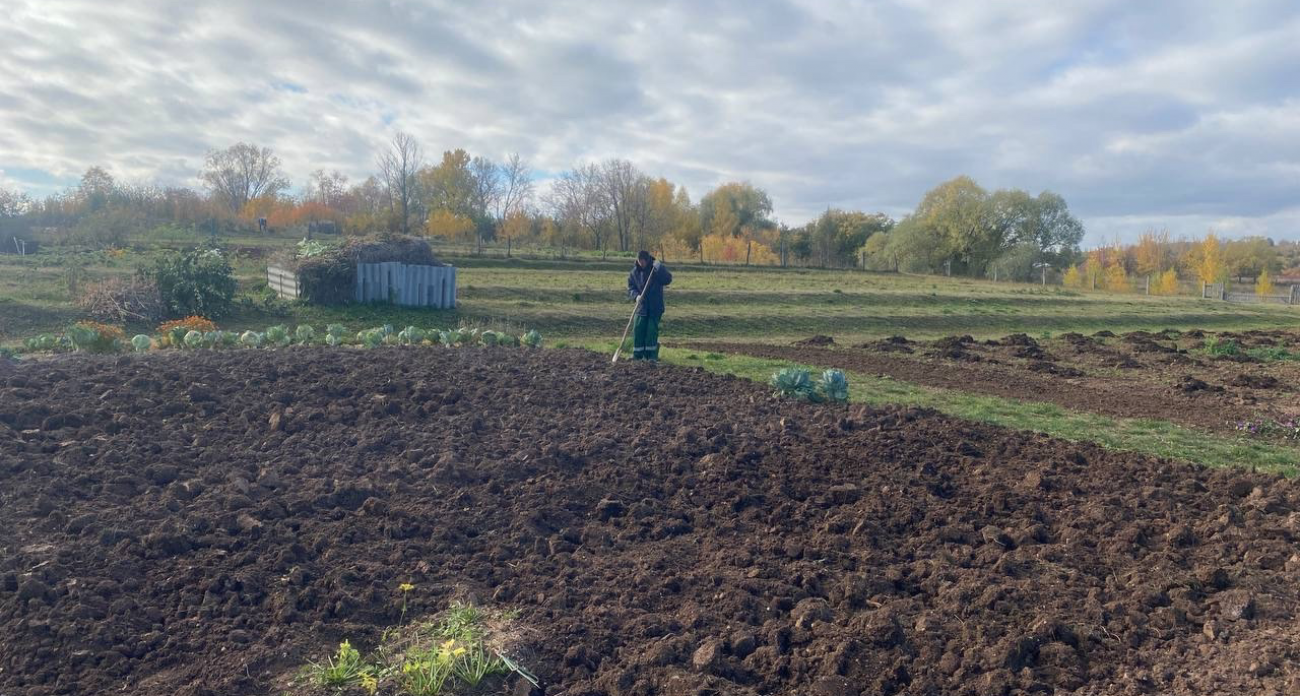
x=1184, y=115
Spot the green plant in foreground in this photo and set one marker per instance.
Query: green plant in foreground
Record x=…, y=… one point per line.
x=476, y=664
x=304, y=334
x=424, y=673
x=794, y=382
x=532, y=339
x=1270, y=353
x=798, y=383
x=834, y=386
x=344, y=669
x=42, y=343
x=251, y=339
x=278, y=335
x=1221, y=346
x=461, y=623
x=406, y=588
x=194, y=339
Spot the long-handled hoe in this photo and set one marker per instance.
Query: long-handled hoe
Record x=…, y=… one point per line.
x=632, y=318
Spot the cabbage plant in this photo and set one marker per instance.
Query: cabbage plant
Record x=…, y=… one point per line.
x=194, y=339
x=834, y=386
x=251, y=339
x=141, y=343
x=176, y=336
x=304, y=334
x=532, y=339
x=795, y=382
x=82, y=337
x=278, y=335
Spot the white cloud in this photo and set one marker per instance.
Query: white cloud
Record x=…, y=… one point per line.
x=1137, y=113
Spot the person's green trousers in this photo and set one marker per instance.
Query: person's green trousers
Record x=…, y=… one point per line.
x=645, y=338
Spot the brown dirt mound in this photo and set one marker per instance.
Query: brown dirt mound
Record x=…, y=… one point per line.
x=893, y=344
x=198, y=524
x=1019, y=340
x=1189, y=385
x=818, y=340
x=1255, y=381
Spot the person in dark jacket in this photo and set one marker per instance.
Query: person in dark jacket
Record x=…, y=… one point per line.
x=647, y=282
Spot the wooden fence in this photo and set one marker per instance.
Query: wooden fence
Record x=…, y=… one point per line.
x=406, y=285
x=283, y=281
x=1217, y=291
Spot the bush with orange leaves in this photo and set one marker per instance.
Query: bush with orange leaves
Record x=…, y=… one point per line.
x=195, y=323
x=173, y=332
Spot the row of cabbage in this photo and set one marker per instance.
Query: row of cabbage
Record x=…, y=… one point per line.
x=98, y=338
x=794, y=382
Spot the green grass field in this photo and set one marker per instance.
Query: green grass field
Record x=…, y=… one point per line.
x=586, y=300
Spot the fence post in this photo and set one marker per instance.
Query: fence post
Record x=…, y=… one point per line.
x=1148, y=285
x=1295, y=294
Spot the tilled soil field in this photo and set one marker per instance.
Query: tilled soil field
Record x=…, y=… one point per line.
x=1161, y=375
x=204, y=523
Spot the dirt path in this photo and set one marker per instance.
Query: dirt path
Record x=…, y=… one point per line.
x=202, y=523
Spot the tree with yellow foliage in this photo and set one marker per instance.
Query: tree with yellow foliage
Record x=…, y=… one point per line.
x=1166, y=283
x=1117, y=278
x=448, y=225
x=516, y=225
x=1073, y=277
x=1210, y=267
x=1263, y=284
x=724, y=248
x=1149, y=254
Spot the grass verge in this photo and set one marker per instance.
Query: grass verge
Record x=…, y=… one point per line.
x=1145, y=436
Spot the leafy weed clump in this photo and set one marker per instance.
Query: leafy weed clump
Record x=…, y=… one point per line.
x=1271, y=353
x=1221, y=346
x=454, y=653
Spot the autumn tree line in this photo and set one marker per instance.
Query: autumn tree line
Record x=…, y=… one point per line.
x=1160, y=265
x=957, y=228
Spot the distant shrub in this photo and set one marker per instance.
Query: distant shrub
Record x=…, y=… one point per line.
x=198, y=281
x=107, y=228
x=1166, y=283
x=1263, y=284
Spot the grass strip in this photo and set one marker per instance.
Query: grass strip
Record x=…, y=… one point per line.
x=1145, y=436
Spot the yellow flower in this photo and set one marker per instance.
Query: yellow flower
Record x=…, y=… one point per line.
x=406, y=587
x=369, y=683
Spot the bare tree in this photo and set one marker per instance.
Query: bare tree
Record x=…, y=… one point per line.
x=577, y=200
x=397, y=168
x=619, y=182
x=242, y=172
x=516, y=187
x=486, y=178
x=326, y=188
x=13, y=203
